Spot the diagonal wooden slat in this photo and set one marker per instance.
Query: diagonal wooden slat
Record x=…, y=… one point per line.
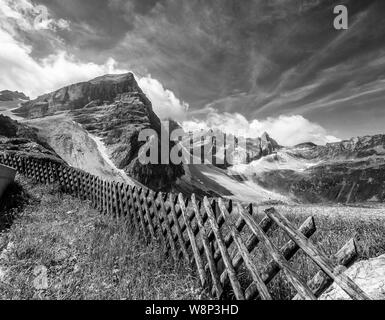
x=225, y=255
x=344, y=257
x=148, y=215
x=166, y=221
x=135, y=218
x=140, y=211
x=177, y=228
x=193, y=241
x=206, y=245
x=290, y=274
x=342, y=280
x=158, y=222
x=244, y=252
x=288, y=251
x=251, y=243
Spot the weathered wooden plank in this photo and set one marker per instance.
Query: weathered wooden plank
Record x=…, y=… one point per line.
x=225, y=255
x=341, y=279
x=108, y=197
x=105, y=197
x=244, y=252
x=147, y=213
x=288, y=251
x=158, y=222
x=344, y=257
x=166, y=221
x=111, y=198
x=290, y=274
x=88, y=187
x=160, y=216
x=194, y=245
x=140, y=212
x=177, y=228
x=115, y=200
x=99, y=194
x=133, y=210
x=265, y=224
x=207, y=249
x=119, y=191
x=127, y=207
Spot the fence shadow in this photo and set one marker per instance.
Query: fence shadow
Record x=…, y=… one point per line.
x=12, y=201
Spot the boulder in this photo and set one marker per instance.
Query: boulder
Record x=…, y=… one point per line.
x=369, y=275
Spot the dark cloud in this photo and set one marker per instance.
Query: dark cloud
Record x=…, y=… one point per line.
x=261, y=58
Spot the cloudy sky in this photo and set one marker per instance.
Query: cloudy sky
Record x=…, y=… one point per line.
x=258, y=65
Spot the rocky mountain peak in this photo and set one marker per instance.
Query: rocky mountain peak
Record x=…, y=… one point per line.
x=112, y=110
x=99, y=91
x=265, y=136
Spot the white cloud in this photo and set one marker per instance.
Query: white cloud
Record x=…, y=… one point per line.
x=165, y=103
x=20, y=71
x=27, y=16
x=287, y=130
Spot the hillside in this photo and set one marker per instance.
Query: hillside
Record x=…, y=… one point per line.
x=23, y=140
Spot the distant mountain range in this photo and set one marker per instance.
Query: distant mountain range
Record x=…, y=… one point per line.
x=347, y=171
x=94, y=125
x=7, y=95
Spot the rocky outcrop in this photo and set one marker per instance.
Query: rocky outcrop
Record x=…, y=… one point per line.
x=7, y=95
x=369, y=275
x=18, y=138
x=261, y=147
x=119, y=125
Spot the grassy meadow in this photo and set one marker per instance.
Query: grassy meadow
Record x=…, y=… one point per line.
x=86, y=255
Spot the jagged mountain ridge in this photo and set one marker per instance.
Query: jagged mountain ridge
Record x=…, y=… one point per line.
x=220, y=146
x=347, y=171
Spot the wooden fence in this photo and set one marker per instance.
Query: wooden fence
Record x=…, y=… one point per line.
x=216, y=236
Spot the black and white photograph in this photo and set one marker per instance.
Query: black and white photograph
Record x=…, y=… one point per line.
x=208, y=151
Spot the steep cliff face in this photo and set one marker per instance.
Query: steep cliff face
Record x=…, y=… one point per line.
x=99, y=91
x=113, y=110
